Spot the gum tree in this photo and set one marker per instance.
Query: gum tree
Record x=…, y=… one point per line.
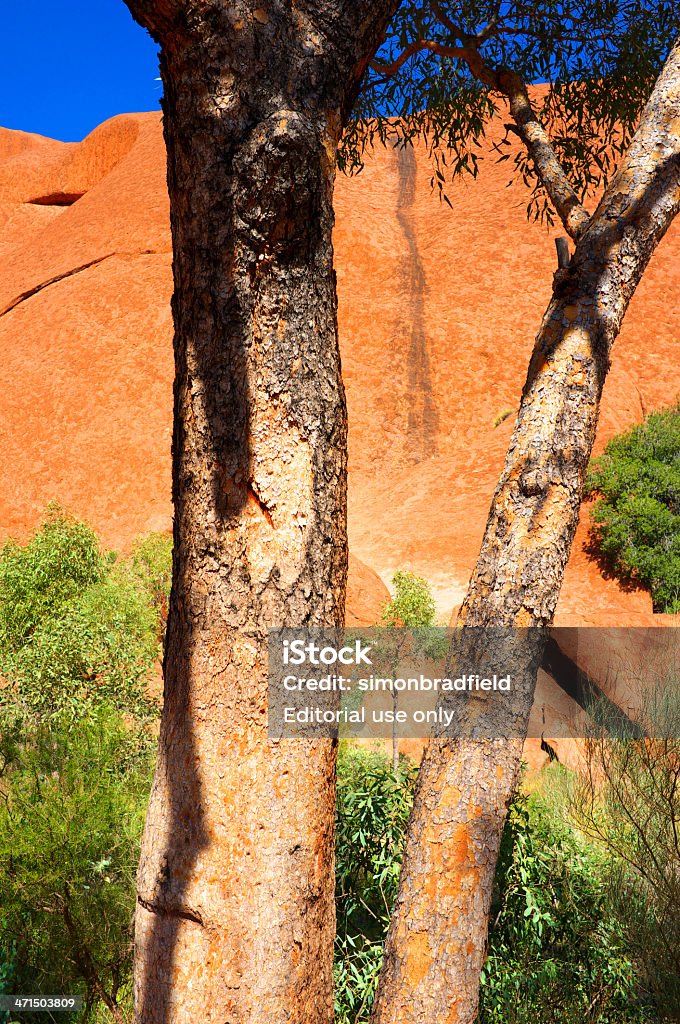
x=408, y=618
x=448, y=72
x=437, y=938
x=235, y=914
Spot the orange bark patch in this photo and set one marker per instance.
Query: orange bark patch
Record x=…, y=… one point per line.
x=524, y=617
x=451, y=862
x=419, y=957
x=460, y=855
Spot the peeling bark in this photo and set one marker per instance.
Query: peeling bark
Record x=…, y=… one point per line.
x=235, y=914
x=437, y=939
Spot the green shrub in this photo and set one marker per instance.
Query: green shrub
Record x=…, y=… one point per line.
x=408, y=619
x=7, y=958
x=42, y=577
x=79, y=631
x=151, y=567
x=628, y=802
x=556, y=953
x=76, y=625
x=636, y=521
x=72, y=801
x=412, y=604
x=373, y=809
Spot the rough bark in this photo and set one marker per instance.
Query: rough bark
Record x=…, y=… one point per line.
x=235, y=913
x=437, y=939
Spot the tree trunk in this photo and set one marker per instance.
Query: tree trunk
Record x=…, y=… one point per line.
x=437, y=939
x=235, y=914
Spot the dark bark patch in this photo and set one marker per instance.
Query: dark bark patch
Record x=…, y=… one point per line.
x=164, y=911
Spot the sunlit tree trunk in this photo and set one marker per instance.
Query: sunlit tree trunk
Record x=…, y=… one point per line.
x=437, y=939
x=235, y=913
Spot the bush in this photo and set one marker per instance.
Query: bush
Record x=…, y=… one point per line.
x=76, y=626
x=373, y=810
x=72, y=803
x=636, y=522
x=6, y=973
x=151, y=567
x=629, y=803
x=556, y=952
x=79, y=631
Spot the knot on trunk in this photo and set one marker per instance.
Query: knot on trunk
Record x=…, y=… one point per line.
x=280, y=188
x=534, y=481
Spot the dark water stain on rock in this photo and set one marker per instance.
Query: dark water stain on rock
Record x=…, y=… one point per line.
x=423, y=418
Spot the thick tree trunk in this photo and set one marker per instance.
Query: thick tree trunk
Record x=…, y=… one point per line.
x=437, y=939
x=235, y=916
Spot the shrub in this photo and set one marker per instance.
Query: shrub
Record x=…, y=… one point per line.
x=556, y=952
x=72, y=801
x=78, y=638
x=629, y=803
x=76, y=627
x=7, y=955
x=636, y=521
x=151, y=567
x=373, y=809
x=408, y=619
x=412, y=604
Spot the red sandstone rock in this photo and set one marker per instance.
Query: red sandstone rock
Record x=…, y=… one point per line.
x=437, y=311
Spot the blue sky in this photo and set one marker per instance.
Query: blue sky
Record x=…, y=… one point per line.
x=67, y=66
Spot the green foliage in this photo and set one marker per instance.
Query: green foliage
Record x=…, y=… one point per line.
x=151, y=567
x=7, y=958
x=410, y=619
x=76, y=626
x=412, y=605
x=44, y=576
x=373, y=809
x=599, y=59
x=637, y=519
x=555, y=951
x=79, y=634
x=629, y=803
x=72, y=801
x=409, y=629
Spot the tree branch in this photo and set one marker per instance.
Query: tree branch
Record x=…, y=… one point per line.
x=553, y=177
x=570, y=210
x=491, y=29
x=447, y=22
x=417, y=45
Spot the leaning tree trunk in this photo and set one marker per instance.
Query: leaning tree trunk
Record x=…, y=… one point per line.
x=437, y=939
x=235, y=913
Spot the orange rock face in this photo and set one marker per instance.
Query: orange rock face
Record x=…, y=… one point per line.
x=438, y=308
